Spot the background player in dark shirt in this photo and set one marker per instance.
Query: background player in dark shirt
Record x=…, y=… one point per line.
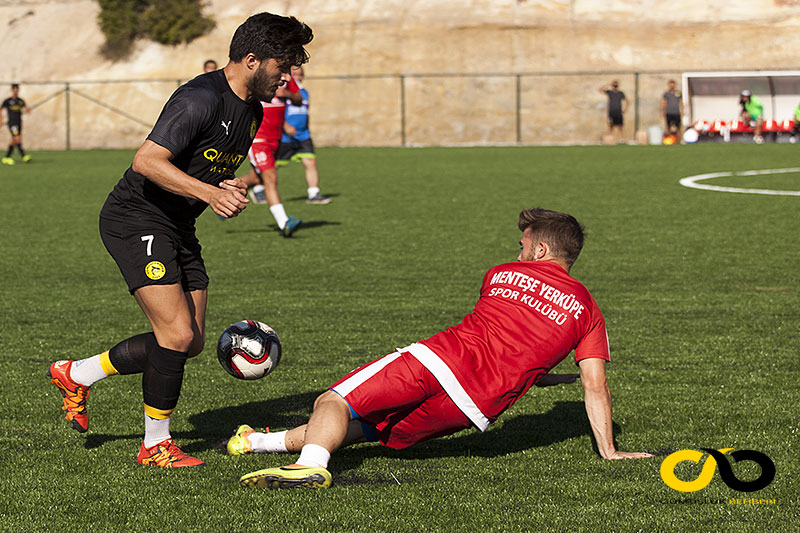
x=617, y=106
x=672, y=109
x=147, y=223
x=14, y=107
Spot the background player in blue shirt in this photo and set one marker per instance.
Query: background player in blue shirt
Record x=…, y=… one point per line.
x=296, y=143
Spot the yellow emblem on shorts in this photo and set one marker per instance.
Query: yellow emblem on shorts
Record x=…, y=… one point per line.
x=155, y=270
x=253, y=129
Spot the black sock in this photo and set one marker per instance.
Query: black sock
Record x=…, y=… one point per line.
x=21, y=151
x=10, y=150
x=130, y=355
x=162, y=379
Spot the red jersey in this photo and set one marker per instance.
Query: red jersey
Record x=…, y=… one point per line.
x=530, y=316
x=272, y=126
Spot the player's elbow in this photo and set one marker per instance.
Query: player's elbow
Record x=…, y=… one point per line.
x=139, y=164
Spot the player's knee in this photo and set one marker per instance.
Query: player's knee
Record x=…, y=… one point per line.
x=178, y=339
x=198, y=343
x=330, y=398
x=269, y=177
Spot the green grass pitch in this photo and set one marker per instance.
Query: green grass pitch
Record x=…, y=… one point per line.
x=699, y=289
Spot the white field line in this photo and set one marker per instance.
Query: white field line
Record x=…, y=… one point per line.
x=691, y=181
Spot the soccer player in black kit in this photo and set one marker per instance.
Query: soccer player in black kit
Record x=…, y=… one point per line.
x=14, y=107
x=147, y=223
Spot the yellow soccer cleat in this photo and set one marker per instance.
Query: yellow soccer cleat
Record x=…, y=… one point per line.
x=26, y=158
x=238, y=444
x=8, y=161
x=288, y=477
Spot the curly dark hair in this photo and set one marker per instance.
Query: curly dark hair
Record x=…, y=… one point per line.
x=272, y=36
x=561, y=231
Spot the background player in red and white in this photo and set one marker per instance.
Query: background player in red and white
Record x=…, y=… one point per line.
x=530, y=315
x=263, y=176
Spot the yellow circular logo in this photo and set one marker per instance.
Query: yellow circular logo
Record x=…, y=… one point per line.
x=253, y=129
x=667, y=470
x=155, y=270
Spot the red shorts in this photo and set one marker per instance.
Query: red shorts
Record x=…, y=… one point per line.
x=262, y=155
x=402, y=400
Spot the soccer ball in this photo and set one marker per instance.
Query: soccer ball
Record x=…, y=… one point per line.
x=249, y=349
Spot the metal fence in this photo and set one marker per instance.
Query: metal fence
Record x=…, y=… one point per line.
x=369, y=110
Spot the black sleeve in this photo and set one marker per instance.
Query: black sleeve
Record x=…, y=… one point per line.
x=5, y=103
x=184, y=116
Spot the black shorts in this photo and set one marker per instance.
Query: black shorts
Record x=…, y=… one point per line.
x=154, y=255
x=294, y=151
x=14, y=128
x=615, y=119
x=674, y=120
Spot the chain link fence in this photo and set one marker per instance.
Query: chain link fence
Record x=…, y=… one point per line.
x=437, y=109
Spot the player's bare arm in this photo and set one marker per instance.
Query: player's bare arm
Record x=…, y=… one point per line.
x=597, y=397
x=154, y=162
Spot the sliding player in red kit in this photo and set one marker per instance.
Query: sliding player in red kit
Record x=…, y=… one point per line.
x=531, y=314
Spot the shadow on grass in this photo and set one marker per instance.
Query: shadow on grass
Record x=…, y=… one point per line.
x=565, y=420
x=274, y=229
x=304, y=197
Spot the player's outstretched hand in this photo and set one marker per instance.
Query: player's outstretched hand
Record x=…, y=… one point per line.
x=556, y=379
x=629, y=455
x=229, y=200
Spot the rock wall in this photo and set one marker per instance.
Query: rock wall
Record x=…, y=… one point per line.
x=460, y=60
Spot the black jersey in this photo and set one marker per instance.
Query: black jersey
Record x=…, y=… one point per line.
x=615, y=99
x=14, y=106
x=209, y=131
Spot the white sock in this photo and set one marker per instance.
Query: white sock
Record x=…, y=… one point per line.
x=279, y=214
x=155, y=430
x=268, y=442
x=87, y=371
x=314, y=455
x=258, y=188
x=313, y=191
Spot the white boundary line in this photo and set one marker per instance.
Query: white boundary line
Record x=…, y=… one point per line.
x=691, y=181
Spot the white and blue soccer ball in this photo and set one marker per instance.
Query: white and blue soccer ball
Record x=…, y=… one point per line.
x=249, y=349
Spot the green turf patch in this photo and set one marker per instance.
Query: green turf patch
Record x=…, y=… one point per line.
x=699, y=289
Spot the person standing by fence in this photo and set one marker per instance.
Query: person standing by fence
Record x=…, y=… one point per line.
x=617, y=106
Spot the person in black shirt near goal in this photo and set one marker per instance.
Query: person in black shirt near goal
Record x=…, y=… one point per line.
x=147, y=223
x=14, y=107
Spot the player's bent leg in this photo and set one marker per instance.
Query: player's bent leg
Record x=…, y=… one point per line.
x=295, y=438
x=197, y=300
x=329, y=422
x=167, y=309
x=312, y=175
x=170, y=312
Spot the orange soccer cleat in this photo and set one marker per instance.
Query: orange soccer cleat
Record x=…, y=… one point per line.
x=74, y=394
x=166, y=454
